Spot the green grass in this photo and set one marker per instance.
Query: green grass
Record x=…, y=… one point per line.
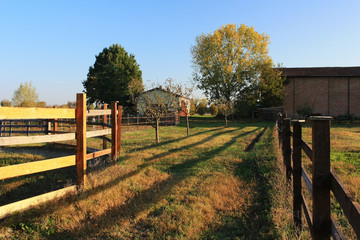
x=345, y=162
x=217, y=183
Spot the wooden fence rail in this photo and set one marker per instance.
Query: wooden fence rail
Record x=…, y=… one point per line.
x=26, y=126
x=52, y=126
x=77, y=116
x=321, y=224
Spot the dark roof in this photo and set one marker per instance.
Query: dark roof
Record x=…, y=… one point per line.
x=321, y=72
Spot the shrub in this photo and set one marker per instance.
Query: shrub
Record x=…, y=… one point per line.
x=192, y=108
x=201, y=109
x=5, y=103
x=305, y=110
x=41, y=104
x=214, y=110
x=243, y=109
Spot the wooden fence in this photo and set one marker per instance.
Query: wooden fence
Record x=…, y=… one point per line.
x=79, y=160
x=322, y=225
x=27, y=126
x=12, y=127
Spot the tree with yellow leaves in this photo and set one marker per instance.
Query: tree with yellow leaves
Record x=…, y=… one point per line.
x=230, y=64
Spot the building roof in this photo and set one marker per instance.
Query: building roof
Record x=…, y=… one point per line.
x=164, y=90
x=321, y=72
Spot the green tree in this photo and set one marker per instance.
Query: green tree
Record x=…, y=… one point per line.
x=213, y=110
x=271, y=88
x=5, y=103
x=229, y=63
x=115, y=76
x=201, y=108
x=25, y=96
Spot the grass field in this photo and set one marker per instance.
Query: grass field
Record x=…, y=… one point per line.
x=217, y=183
x=345, y=162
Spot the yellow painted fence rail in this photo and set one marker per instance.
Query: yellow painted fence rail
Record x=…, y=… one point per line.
x=79, y=160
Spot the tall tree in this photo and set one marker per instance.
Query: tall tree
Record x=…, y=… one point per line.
x=229, y=62
x=25, y=96
x=115, y=76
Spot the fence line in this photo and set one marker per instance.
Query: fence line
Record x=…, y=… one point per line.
x=79, y=160
x=52, y=126
x=322, y=225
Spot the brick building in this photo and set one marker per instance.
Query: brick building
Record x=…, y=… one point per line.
x=330, y=91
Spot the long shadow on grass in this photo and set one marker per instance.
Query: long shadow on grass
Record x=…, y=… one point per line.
x=147, y=197
x=186, y=147
x=40, y=182
x=173, y=140
x=256, y=223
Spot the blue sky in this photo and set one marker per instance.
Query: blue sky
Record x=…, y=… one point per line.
x=53, y=43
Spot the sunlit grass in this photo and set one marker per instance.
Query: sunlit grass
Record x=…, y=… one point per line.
x=345, y=162
x=208, y=185
x=184, y=187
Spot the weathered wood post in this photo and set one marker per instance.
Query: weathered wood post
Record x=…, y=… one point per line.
x=297, y=172
x=54, y=126
x=119, y=123
x=10, y=128
x=287, y=148
x=321, y=176
x=114, y=138
x=81, y=139
x=28, y=128
x=137, y=122
x=104, y=127
x=47, y=126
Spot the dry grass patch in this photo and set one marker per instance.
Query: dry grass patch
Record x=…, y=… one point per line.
x=345, y=162
x=187, y=187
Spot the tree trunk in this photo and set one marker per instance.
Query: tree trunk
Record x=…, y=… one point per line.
x=226, y=121
x=187, y=124
x=157, y=131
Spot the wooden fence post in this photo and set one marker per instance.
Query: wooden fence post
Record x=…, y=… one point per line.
x=104, y=127
x=81, y=139
x=114, y=138
x=55, y=126
x=47, y=126
x=28, y=128
x=137, y=122
x=119, y=123
x=279, y=130
x=287, y=148
x=10, y=128
x=321, y=176
x=297, y=172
